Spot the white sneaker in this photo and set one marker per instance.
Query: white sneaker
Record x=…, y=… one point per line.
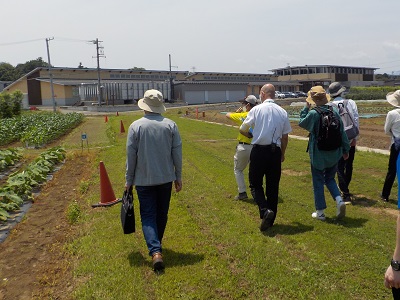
x=341, y=210
x=318, y=217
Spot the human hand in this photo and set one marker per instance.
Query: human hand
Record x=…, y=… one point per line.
x=345, y=156
x=178, y=185
x=353, y=142
x=392, y=278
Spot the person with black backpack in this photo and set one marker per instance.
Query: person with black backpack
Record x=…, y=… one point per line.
x=328, y=142
x=349, y=115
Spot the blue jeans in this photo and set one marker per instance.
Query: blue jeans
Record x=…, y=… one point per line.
x=154, y=205
x=321, y=178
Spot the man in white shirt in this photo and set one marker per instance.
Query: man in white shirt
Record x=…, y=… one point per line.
x=271, y=129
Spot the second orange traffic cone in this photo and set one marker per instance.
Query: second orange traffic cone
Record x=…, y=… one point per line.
x=107, y=196
x=105, y=119
x=122, y=130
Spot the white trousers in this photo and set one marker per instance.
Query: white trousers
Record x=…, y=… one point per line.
x=240, y=161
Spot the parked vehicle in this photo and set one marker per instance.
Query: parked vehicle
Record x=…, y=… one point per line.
x=287, y=94
x=301, y=94
x=279, y=95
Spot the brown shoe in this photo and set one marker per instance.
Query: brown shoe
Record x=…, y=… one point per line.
x=158, y=263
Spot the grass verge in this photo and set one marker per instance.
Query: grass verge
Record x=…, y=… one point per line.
x=213, y=247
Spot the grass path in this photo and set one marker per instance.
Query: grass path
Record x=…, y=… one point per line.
x=213, y=247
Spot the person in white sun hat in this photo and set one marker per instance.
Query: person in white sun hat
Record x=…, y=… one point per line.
x=392, y=127
x=153, y=164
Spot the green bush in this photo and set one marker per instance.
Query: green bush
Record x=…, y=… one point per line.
x=369, y=93
x=10, y=104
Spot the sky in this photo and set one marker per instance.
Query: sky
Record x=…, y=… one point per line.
x=252, y=36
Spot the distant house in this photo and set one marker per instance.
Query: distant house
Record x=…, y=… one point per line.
x=311, y=75
x=3, y=84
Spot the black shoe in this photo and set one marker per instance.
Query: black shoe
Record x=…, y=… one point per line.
x=383, y=198
x=346, y=198
x=241, y=196
x=267, y=220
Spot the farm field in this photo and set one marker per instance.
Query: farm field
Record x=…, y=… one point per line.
x=45, y=258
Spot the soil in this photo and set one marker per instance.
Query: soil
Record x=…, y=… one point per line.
x=372, y=134
x=33, y=261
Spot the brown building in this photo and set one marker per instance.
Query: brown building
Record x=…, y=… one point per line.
x=80, y=86
x=310, y=75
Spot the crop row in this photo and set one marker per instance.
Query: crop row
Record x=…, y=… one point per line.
x=19, y=185
x=37, y=129
x=9, y=157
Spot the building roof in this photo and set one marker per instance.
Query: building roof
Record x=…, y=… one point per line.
x=320, y=66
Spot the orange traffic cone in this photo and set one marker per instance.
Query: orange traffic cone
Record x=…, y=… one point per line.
x=106, y=191
x=122, y=130
x=117, y=114
x=105, y=119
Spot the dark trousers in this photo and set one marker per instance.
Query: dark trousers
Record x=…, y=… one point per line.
x=391, y=173
x=345, y=171
x=265, y=162
x=154, y=205
x=396, y=294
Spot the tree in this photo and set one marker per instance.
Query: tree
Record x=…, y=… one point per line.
x=7, y=72
x=25, y=68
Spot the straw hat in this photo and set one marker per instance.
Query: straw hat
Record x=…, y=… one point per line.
x=152, y=101
x=317, y=95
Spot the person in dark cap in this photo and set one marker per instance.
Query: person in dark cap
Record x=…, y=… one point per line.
x=345, y=167
x=243, y=149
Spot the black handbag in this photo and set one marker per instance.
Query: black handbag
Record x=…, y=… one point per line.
x=127, y=212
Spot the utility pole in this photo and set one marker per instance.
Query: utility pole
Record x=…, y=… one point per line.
x=171, y=81
x=99, y=53
x=50, y=74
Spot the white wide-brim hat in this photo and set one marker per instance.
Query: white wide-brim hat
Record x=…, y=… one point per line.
x=152, y=101
x=394, y=98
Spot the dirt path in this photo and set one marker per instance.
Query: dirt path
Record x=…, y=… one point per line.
x=32, y=262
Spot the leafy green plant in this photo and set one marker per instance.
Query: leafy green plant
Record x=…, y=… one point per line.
x=9, y=157
x=19, y=185
x=73, y=212
x=36, y=129
x=84, y=186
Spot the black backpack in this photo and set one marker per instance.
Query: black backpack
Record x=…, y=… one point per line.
x=328, y=135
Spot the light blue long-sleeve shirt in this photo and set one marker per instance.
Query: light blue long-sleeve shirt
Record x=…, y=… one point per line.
x=153, y=151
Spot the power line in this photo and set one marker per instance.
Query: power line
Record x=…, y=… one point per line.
x=21, y=42
x=71, y=40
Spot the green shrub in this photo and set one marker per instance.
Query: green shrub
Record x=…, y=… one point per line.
x=73, y=212
x=369, y=93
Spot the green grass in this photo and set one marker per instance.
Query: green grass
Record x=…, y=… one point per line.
x=213, y=248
